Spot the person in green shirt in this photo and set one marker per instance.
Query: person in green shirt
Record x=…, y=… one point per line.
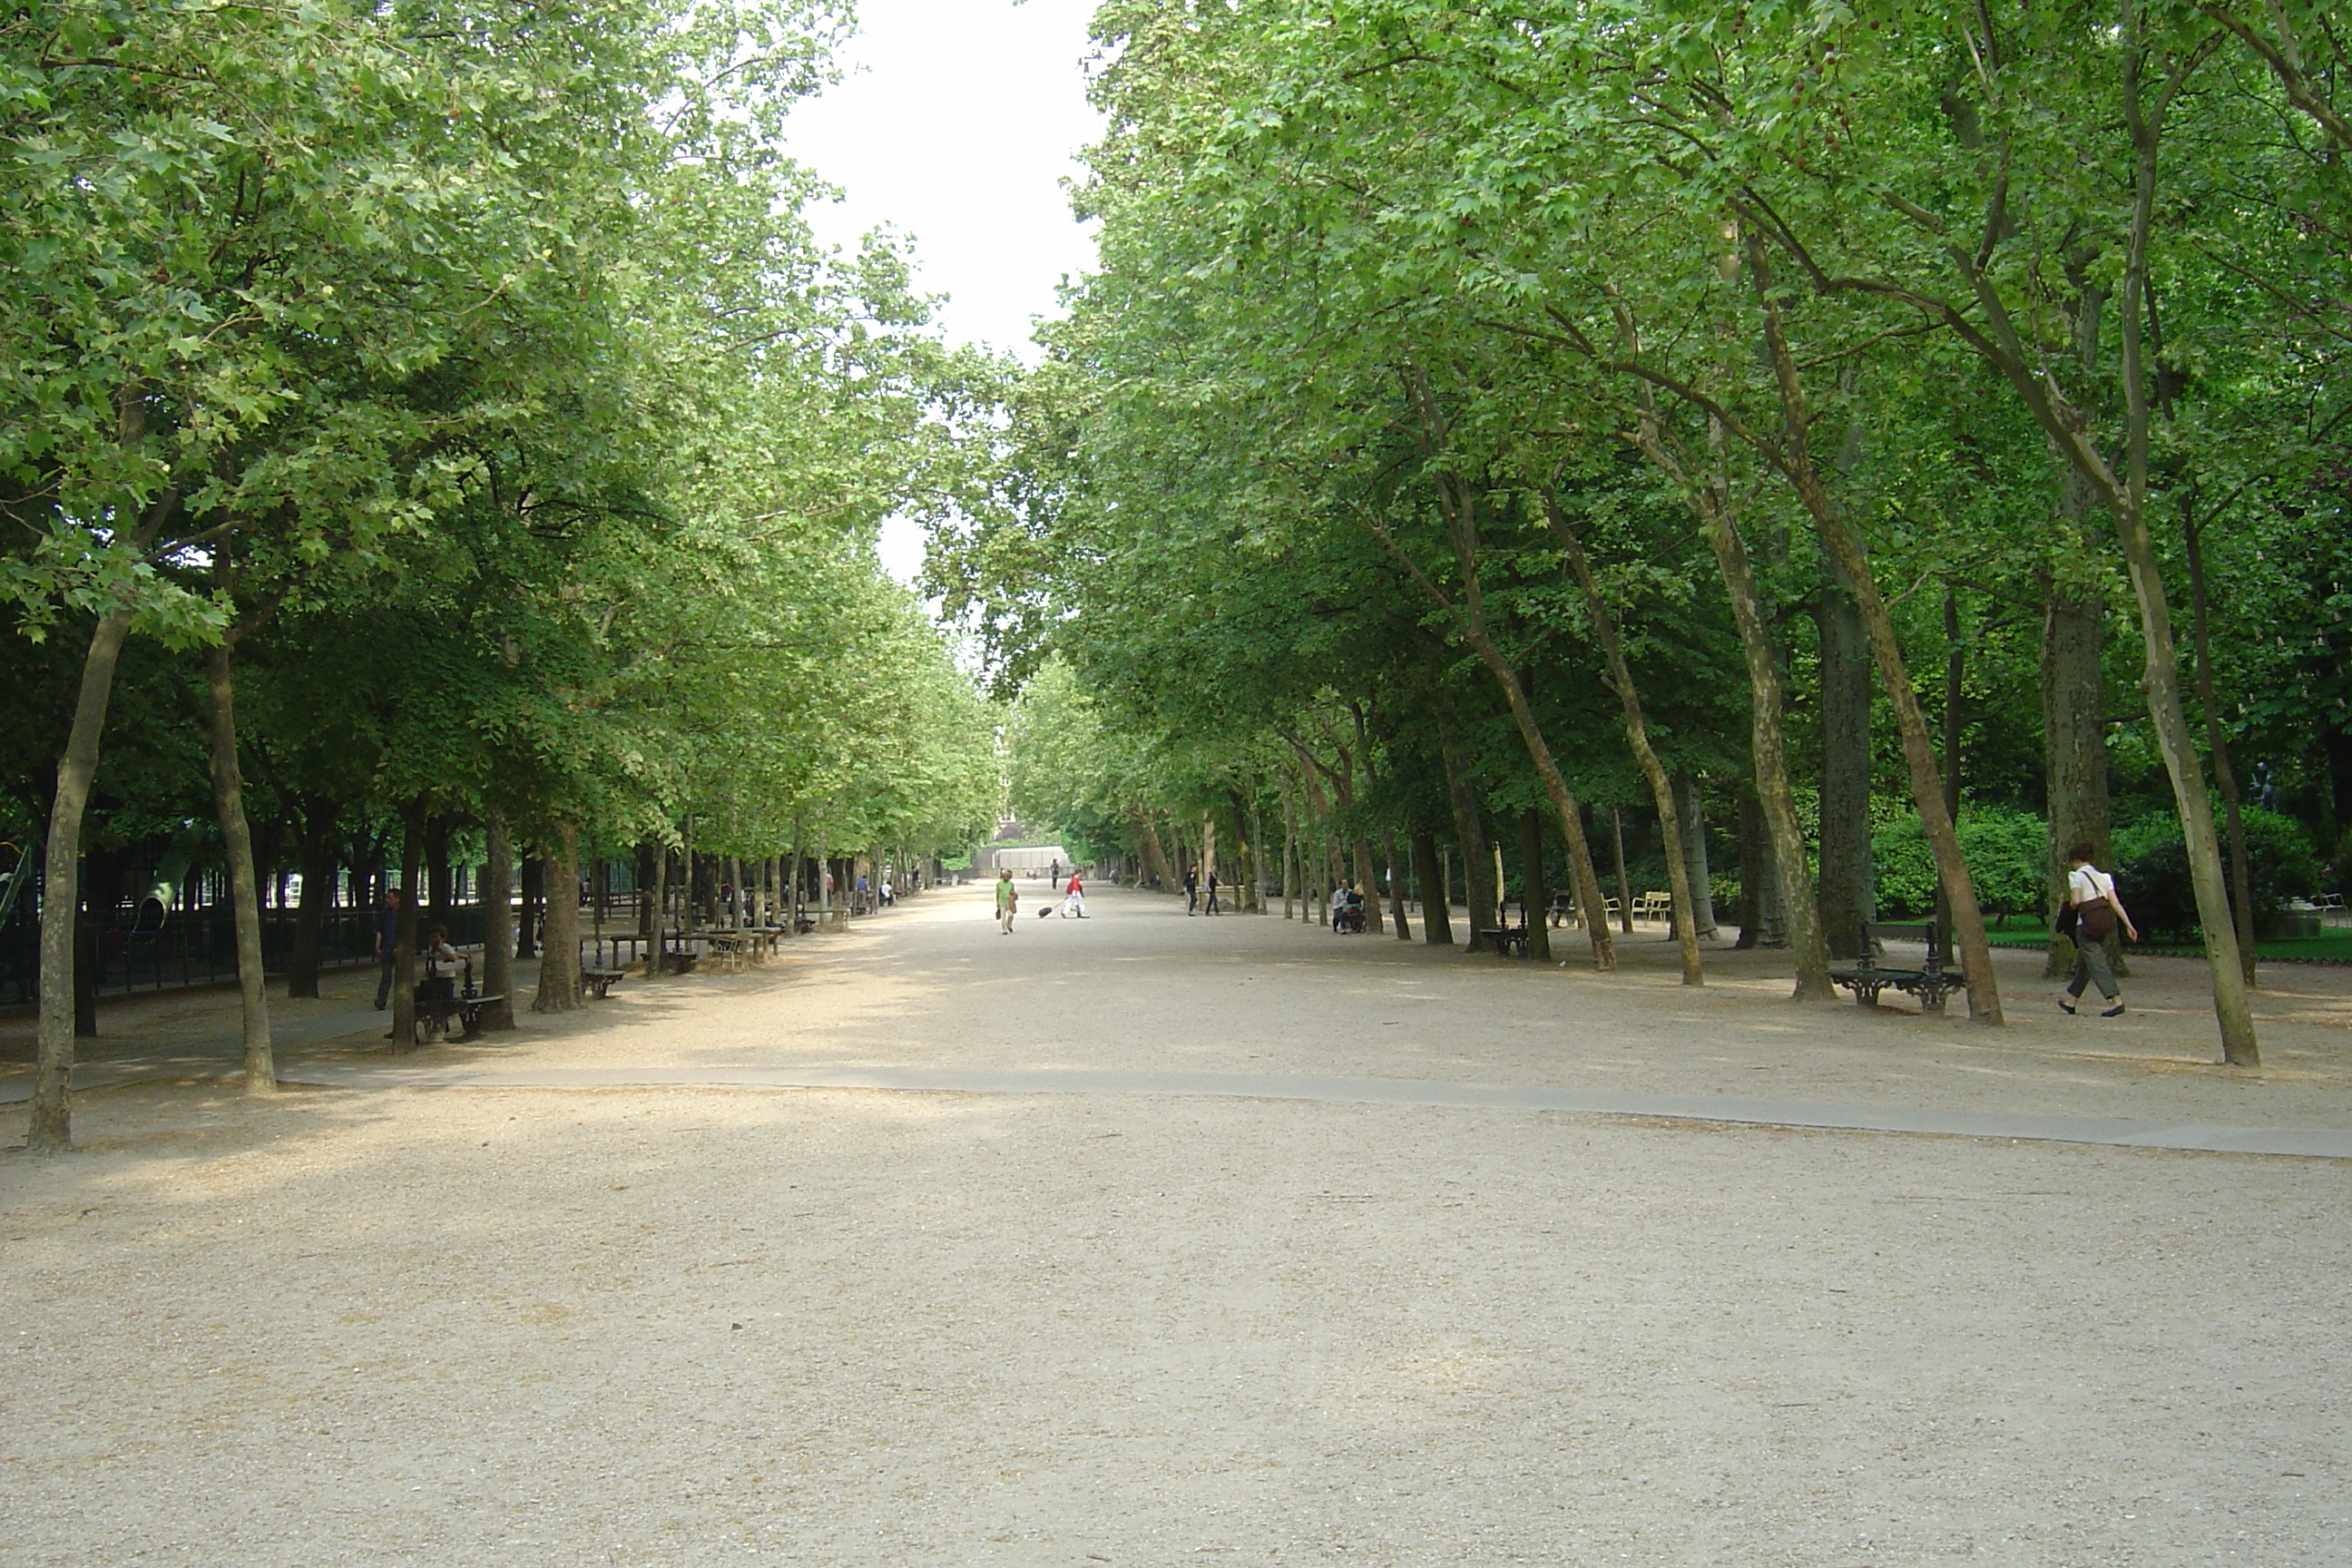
x=1008, y=901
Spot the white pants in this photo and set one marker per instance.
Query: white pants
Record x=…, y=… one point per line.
x=1075, y=904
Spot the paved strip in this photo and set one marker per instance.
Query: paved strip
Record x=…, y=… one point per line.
x=2328, y=1143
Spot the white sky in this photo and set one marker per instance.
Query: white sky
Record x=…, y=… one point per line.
x=956, y=124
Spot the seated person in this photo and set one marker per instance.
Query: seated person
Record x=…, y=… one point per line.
x=433, y=948
x=1339, y=903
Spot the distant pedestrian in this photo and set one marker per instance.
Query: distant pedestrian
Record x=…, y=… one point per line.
x=1074, y=898
x=1339, y=902
x=1192, y=889
x=1008, y=899
x=1214, y=885
x=889, y=894
x=387, y=939
x=2092, y=913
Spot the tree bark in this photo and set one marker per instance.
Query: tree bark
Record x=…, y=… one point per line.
x=1968, y=936
x=438, y=882
x=2073, y=743
x=245, y=888
x=1788, y=904
x=50, y=1129
x=1845, y=898
x=1624, y=887
x=1535, y=899
x=559, y=958
x=1436, y=917
x=1690, y=809
x=1155, y=854
x=1763, y=905
x=498, y=925
x=1999, y=342
x=2217, y=744
x=1396, y=885
x=534, y=906
x=405, y=929
x=1478, y=891
x=1637, y=737
x=318, y=889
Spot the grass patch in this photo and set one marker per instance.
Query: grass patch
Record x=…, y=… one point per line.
x=2331, y=947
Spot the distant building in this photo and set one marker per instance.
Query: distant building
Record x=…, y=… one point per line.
x=1021, y=859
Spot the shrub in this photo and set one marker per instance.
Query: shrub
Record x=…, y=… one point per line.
x=2006, y=852
x=2152, y=875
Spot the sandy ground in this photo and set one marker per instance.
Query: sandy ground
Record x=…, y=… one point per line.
x=687, y=1326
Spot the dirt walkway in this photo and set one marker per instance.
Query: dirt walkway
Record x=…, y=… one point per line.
x=686, y=1326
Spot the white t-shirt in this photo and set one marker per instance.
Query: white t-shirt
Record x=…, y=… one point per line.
x=2088, y=885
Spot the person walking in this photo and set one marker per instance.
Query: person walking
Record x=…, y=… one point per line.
x=387, y=938
x=1192, y=889
x=2091, y=912
x=1008, y=899
x=1213, y=886
x=1073, y=901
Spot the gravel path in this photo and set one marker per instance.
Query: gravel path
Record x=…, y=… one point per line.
x=676, y=1325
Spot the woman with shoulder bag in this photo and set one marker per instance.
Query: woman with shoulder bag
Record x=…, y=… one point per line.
x=2091, y=899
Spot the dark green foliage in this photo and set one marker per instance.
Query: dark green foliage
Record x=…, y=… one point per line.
x=2152, y=878
x=2006, y=852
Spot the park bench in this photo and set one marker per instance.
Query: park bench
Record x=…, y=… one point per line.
x=1931, y=982
x=601, y=981
x=1563, y=910
x=438, y=1005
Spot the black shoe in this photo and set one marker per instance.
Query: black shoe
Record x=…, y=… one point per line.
x=2114, y=1012
x=2065, y=1006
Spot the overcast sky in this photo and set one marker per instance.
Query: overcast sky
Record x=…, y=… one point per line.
x=957, y=122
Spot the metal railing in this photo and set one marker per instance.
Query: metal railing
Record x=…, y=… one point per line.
x=198, y=947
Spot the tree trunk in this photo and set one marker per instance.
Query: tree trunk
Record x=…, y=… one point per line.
x=99, y=891
x=1787, y=904
x=1396, y=886
x=1290, y=879
x=1535, y=899
x=50, y=1130
x=1845, y=900
x=405, y=929
x=318, y=889
x=534, y=906
x=1968, y=936
x=2216, y=745
x=244, y=887
x=2073, y=743
x=559, y=959
x=1637, y=737
x=1437, y=919
x=498, y=925
x=1479, y=894
x=437, y=880
x=1457, y=503
x=1763, y=923
x=1624, y=887
x=2126, y=496
x=1257, y=849
x=1155, y=854
x=1691, y=817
